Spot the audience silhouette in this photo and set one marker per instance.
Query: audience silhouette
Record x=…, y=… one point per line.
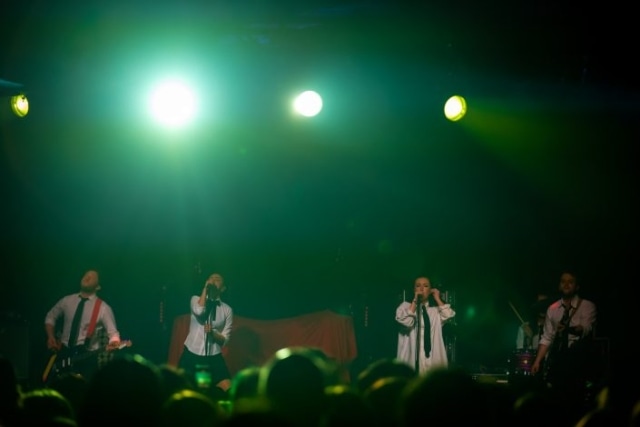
x=298, y=387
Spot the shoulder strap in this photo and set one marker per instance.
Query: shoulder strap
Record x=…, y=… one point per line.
x=94, y=319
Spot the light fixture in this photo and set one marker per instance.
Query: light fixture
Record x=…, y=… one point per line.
x=455, y=108
x=20, y=105
x=308, y=103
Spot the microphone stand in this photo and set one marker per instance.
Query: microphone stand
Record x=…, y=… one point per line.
x=207, y=335
x=418, y=341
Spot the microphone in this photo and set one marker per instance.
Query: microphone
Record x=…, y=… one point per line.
x=210, y=287
x=211, y=292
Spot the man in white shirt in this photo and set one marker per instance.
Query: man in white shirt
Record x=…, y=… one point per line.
x=530, y=332
x=566, y=339
x=423, y=349
x=85, y=317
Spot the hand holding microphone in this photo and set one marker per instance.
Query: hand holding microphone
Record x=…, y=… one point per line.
x=212, y=291
x=209, y=290
x=417, y=298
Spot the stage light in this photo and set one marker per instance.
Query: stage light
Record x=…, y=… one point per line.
x=455, y=108
x=308, y=103
x=20, y=105
x=173, y=103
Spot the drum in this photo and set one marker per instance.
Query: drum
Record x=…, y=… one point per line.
x=521, y=361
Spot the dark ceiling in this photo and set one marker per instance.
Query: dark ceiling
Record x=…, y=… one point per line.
x=562, y=39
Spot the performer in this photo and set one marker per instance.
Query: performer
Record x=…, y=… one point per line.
x=530, y=332
x=85, y=317
x=209, y=332
x=527, y=339
x=420, y=339
x=568, y=331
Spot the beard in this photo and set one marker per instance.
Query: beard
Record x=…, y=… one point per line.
x=88, y=288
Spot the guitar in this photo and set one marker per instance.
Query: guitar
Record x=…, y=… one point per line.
x=62, y=361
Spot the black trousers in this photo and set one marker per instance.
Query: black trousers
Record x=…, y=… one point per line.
x=204, y=371
x=572, y=372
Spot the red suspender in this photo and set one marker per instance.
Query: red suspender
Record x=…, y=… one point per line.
x=94, y=319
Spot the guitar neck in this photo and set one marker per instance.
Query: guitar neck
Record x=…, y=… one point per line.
x=89, y=353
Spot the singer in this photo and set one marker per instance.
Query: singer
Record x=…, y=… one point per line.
x=420, y=341
x=209, y=332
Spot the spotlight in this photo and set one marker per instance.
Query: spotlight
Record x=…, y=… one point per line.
x=308, y=103
x=173, y=103
x=20, y=105
x=15, y=94
x=455, y=108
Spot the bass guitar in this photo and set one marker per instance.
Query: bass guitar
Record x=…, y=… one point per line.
x=62, y=361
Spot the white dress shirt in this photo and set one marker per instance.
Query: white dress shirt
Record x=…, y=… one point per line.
x=196, y=341
x=66, y=308
x=583, y=313
x=407, y=336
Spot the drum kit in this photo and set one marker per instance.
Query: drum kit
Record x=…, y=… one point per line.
x=521, y=360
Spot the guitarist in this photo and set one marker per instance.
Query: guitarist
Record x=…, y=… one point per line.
x=83, y=316
x=567, y=333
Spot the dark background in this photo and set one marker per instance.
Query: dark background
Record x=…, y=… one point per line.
x=340, y=212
